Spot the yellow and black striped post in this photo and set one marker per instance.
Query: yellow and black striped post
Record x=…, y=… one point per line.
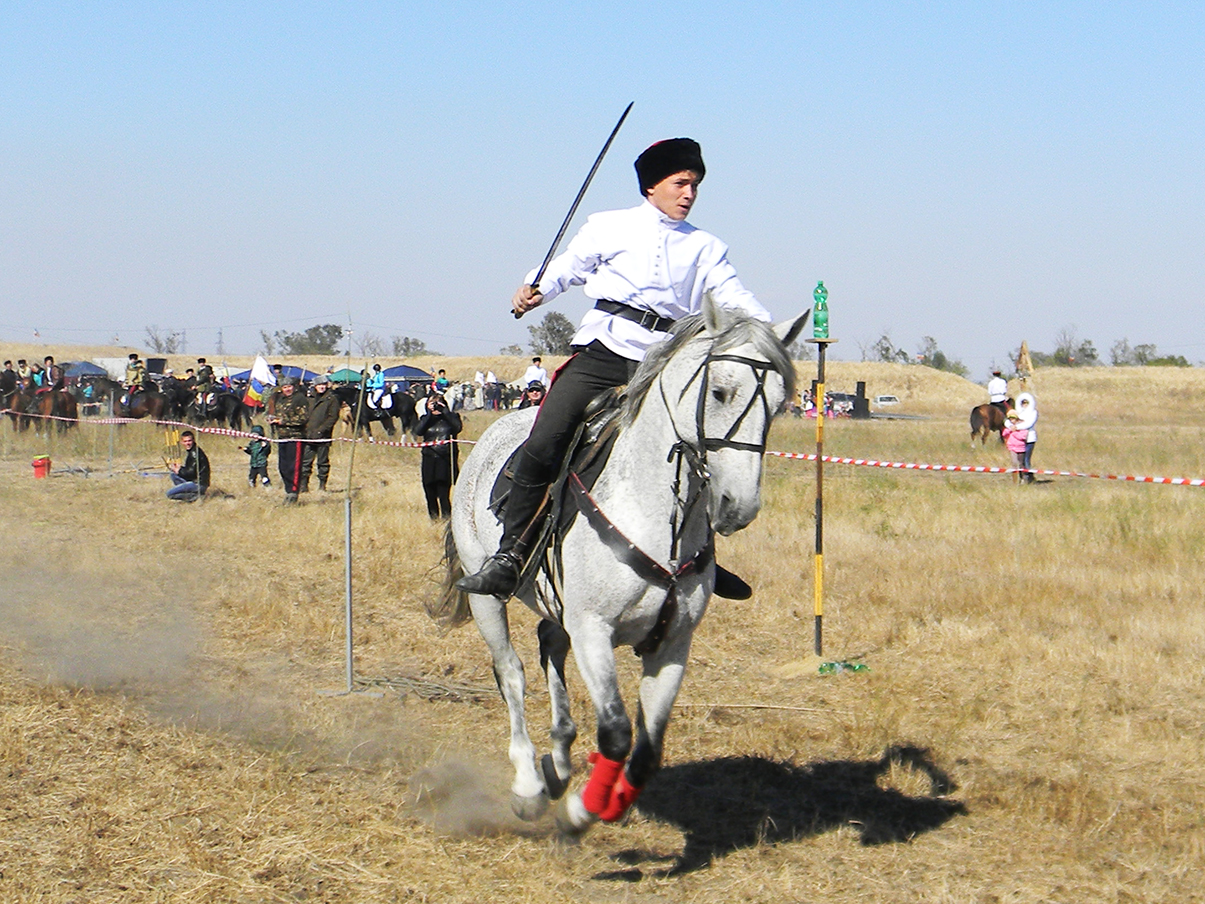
x=822, y=342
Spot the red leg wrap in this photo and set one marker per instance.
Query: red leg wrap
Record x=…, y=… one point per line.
x=597, y=793
x=623, y=795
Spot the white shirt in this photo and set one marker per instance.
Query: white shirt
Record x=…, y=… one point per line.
x=642, y=258
x=997, y=389
x=1027, y=411
x=534, y=373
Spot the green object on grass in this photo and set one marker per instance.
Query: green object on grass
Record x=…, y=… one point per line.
x=836, y=668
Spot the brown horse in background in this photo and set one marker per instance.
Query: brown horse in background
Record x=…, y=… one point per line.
x=987, y=419
x=17, y=403
x=145, y=403
x=56, y=407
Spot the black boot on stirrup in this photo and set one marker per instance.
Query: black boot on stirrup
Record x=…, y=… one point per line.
x=729, y=586
x=498, y=576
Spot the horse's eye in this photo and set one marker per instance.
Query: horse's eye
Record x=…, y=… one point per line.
x=721, y=395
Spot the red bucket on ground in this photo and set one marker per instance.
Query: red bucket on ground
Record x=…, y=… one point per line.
x=41, y=466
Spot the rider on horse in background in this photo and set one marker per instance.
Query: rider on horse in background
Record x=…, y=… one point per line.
x=52, y=375
x=375, y=387
x=997, y=391
x=204, y=387
x=646, y=267
x=135, y=377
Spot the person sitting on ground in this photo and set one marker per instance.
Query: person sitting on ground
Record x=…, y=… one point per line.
x=190, y=477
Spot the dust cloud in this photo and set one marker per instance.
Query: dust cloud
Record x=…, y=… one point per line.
x=139, y=632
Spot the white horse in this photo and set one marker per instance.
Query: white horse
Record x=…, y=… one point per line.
x=637, y=564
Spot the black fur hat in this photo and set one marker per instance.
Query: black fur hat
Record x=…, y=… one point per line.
x=666, y=158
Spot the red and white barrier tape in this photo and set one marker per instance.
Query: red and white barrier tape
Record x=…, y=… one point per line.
x=226, y=431
x=983, y=469
x=793, y=456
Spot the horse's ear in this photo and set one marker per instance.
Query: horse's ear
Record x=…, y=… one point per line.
x=713, y=315
x=788, y=331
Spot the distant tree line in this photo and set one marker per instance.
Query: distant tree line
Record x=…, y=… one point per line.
x=1071, y=351
x=553, y=334
x=927, y=355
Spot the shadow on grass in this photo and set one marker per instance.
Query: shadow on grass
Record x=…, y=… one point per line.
x=728, y=804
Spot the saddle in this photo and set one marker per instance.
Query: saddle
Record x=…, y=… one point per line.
x=587, y=456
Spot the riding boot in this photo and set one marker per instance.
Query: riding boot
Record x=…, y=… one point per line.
x=499, y=576
x=730, y=586
x=322, y=483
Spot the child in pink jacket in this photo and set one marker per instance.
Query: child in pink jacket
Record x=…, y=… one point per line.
x=1014, y=438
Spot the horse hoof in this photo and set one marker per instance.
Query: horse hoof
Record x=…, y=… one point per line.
x=556, y=784
x=573, y=819
x=529, y=809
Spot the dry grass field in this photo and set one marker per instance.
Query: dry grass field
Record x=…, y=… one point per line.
x=1030, y=727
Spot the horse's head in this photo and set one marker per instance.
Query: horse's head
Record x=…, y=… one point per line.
x=724, y=377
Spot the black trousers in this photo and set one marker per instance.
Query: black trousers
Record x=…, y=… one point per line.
x=289, y=455
x=438, y=472
x=592, y=370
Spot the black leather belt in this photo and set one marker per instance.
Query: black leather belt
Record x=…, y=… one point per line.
x=650, y=320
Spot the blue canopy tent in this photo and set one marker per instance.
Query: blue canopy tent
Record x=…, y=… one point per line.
x=289, y=370
x=408, y=373
x=78, y=369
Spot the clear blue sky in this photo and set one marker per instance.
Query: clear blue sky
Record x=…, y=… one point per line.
x=981, y=173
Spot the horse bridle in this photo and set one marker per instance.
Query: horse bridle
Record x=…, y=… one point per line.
x=697, y=451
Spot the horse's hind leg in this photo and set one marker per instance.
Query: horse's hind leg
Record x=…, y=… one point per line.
x=529, y=794
x=557, y=767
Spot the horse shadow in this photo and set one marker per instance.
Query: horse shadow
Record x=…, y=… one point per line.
x=728, y=804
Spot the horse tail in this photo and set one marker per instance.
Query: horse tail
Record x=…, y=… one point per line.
x=452, y=607
x=976, y=424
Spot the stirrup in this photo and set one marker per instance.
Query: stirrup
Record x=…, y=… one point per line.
x=499, y=576
x=729, y=586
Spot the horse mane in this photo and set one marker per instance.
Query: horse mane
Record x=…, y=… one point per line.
x=739, y=330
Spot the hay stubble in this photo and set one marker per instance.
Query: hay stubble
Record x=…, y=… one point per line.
x=162, y=736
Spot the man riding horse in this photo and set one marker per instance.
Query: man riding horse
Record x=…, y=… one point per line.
x=997, y=392
x=646, y=267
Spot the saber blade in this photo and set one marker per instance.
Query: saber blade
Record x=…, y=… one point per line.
x=581, y=193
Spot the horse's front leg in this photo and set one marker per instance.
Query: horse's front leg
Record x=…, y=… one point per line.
x=596, y=662
x=663, y=671
x=529, y=797
x=557, y=766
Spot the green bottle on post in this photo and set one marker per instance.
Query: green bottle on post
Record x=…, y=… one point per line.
x=820, y=312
